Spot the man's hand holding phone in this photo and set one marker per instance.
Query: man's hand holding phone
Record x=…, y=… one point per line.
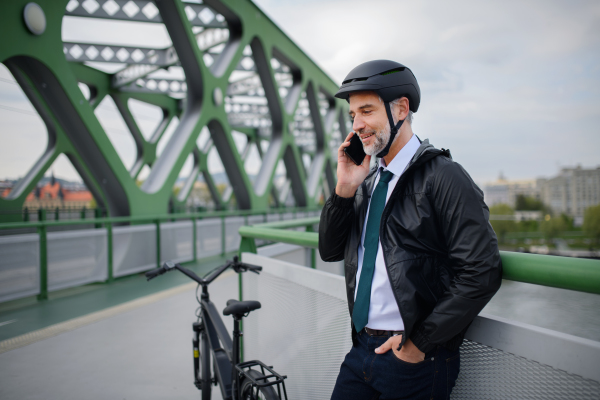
x=349, y=174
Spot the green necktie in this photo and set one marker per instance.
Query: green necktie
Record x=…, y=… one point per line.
x=360, y=313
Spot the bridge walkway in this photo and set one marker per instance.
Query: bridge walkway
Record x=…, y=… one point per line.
x=127, y=339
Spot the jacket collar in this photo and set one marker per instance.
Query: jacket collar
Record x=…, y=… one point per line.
x=424, y=153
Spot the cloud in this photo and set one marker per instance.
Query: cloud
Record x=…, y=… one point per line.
x=508, y=85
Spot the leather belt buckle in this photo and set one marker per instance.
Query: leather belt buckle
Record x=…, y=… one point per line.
x=378, y=332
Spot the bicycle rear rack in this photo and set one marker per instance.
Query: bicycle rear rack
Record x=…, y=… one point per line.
x=270, y=379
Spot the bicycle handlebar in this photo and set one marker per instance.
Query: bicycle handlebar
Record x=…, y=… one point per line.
x=154, y=273
x=237, y=266
x=243, y=267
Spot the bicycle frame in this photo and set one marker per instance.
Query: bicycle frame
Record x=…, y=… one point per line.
x=228, y=371
x=225, y=352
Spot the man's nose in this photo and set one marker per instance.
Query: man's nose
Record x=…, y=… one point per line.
x=358, y=124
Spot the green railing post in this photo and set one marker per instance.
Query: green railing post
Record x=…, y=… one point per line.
x=56, y=214
x=82, y=216
x=313, y=252
x=194, y=240
x=25, y=214
x=247, y=245
x=157, y=223
x=43, y=263
x=97, y=215
x=41, y=214
x=109, y=251
x=223, y=236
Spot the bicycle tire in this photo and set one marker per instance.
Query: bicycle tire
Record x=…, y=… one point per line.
x=264, y=393
x=204, y=373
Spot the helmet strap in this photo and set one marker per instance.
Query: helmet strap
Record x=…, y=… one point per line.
x=393, y=130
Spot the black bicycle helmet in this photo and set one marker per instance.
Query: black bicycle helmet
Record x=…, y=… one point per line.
x=390, y=80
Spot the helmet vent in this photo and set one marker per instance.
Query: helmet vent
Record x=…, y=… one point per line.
x=392, y=71
x=354, y=80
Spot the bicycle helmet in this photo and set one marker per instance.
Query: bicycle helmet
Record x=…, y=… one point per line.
x=390, y=80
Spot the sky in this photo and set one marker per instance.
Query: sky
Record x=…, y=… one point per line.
x=509, y=87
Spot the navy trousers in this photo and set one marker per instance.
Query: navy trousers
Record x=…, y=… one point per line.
x=365, y=375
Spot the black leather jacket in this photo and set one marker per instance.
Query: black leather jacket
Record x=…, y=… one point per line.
x=440, y=251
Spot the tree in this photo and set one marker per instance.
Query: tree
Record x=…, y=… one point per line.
x=528, y=203
x=552, y=227
x=591, y=223
x=502, y=220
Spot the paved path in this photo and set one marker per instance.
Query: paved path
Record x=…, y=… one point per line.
x=141, y=352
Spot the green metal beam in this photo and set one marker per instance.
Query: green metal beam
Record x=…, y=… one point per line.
x=50, y=81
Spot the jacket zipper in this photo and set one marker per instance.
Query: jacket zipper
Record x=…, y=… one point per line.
x=384, y=216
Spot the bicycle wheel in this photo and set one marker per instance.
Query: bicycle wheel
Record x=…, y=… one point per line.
x=204, y=372
x=264, y=393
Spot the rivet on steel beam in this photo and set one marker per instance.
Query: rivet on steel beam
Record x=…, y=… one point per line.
x=218, y=97
x=35, y=19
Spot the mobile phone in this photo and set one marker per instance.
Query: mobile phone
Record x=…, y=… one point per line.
x=355, y=151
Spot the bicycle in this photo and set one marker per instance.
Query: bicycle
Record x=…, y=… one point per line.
x=237, y=380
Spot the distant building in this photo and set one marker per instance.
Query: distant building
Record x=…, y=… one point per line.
x=6, y=187
x=53, y=194
x=572, y=191
x=503, y=191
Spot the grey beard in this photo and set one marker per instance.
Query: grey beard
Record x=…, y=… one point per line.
x=381, y=140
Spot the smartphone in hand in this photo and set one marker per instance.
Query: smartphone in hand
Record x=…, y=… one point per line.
x=355, y=151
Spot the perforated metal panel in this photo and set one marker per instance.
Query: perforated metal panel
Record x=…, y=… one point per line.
x=273, y=217
x=303, y=332
x=19, y=266
x=208, y=236
x=134, y=249
x=176, y=241
x=256, y=219
x=488, y=373
x=232, y=237
x=76, y=258
x=336, y=267
x=308, y=308
x=288, y=216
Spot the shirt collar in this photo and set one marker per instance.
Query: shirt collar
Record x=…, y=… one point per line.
x=399, y=163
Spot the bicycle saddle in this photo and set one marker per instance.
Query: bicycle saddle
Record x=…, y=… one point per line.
x=239, y=308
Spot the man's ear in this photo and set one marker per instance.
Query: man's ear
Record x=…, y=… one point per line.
x=403, y=108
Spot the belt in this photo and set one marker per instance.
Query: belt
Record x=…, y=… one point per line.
x=377, y=332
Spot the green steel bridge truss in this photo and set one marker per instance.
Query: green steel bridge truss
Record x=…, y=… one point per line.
x=241, y=76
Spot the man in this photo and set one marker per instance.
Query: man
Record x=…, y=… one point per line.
x=421, y=259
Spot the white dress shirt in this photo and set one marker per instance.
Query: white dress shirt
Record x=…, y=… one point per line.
x=383, y=309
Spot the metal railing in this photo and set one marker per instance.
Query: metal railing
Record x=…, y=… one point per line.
x=500, y=358
x=110, y=223
x=561, y=272
x=494, y=354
